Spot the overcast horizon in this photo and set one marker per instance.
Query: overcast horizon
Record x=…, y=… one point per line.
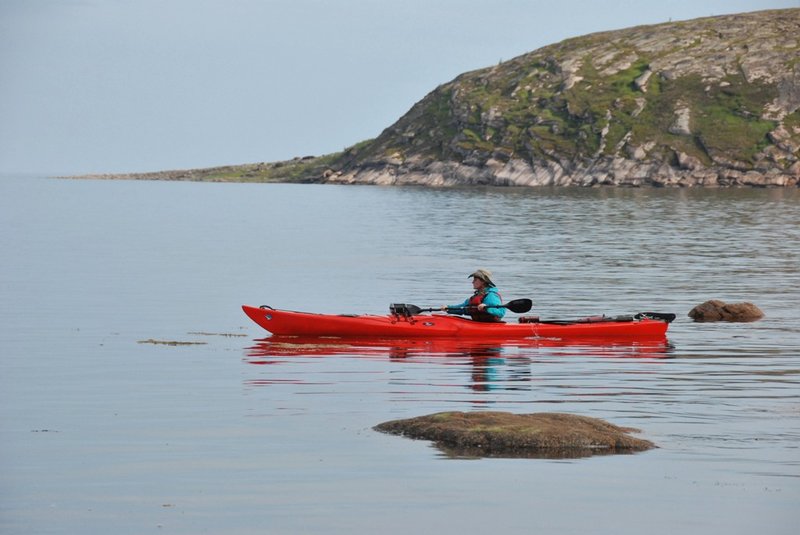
x=114, y=86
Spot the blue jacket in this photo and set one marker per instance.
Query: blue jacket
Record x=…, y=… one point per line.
x=491, y=299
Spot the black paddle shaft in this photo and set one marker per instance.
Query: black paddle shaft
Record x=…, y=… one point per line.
x=403, y=309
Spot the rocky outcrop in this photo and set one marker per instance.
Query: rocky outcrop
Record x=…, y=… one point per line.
x=716, y=310
x=500, y=434
x=707, y=102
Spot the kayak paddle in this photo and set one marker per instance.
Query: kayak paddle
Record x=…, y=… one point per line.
x=517, y=305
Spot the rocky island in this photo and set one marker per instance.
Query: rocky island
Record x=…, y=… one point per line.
x=707, y=102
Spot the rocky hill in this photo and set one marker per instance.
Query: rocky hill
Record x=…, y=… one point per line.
x=709, y=102
x=706, y=102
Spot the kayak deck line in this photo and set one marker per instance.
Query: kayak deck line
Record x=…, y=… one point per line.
x=665, y=317
x=292, y=323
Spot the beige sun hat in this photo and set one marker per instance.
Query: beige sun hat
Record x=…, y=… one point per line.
x=483, y=274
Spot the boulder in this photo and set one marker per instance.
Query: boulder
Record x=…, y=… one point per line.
x=681, y=124
x=641, y=81
x=502, y=434
x=716, y=310
x=688, y=162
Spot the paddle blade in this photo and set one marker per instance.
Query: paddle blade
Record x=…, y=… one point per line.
x=519, y=305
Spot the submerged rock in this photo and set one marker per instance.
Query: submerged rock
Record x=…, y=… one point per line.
x=716, y=310
x=501, y=434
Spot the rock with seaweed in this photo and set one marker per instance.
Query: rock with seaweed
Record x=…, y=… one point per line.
x=502, y=434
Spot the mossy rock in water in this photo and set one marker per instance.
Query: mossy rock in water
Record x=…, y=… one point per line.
x=502, y=434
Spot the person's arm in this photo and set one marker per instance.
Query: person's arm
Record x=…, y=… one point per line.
x=457, y=309
x=493, y=305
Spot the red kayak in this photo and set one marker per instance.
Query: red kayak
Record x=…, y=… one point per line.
x=645, y=325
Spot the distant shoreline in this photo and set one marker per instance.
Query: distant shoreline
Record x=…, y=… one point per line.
x=306, y=169
x=315, y=170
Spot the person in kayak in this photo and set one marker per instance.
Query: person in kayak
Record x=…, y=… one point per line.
x=484, y=304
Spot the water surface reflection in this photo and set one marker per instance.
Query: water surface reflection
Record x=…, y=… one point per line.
x=485, y=365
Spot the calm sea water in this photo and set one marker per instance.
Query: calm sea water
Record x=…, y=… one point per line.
x=100, y=433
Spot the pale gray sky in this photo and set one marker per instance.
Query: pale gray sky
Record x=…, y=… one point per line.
x=143, y=85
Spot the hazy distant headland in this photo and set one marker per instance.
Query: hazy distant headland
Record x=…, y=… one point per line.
x=706, y=102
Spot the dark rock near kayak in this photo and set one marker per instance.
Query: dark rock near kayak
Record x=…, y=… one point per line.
x=501, y=434
x=716, y=310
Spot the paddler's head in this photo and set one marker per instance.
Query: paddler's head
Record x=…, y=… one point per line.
x=481, y=278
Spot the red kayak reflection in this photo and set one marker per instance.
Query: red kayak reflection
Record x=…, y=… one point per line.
x=500, y=364
x=287, y=346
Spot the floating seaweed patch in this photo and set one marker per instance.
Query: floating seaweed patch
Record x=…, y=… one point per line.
x=171, y=342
